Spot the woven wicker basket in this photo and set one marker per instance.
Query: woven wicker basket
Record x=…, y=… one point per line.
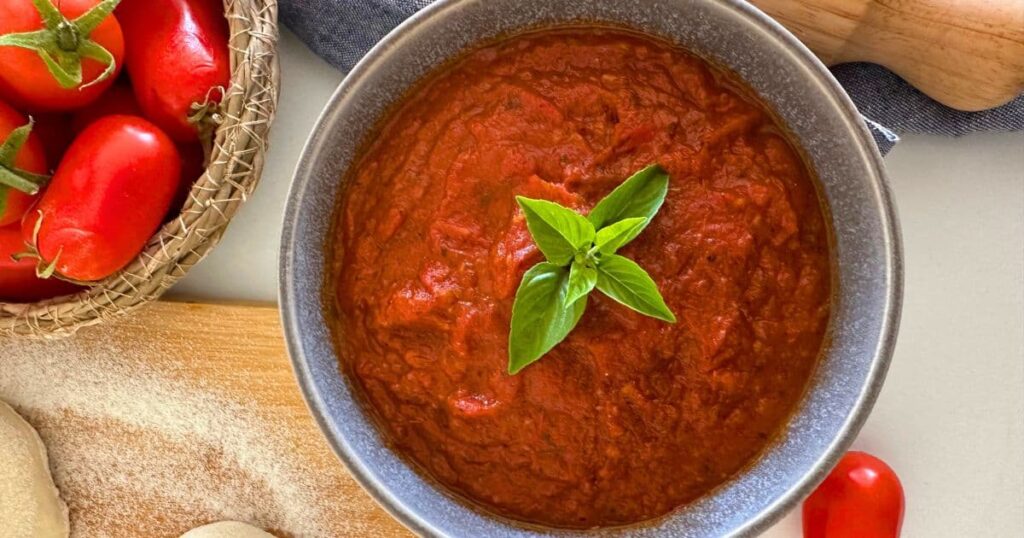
x=236, y=160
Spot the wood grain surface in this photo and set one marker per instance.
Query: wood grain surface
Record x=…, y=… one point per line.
x=967, y=54
x=233, y=353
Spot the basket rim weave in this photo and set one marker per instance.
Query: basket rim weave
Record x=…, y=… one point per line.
x=236, y=161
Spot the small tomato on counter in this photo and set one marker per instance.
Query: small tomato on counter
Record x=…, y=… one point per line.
x=177, y=57
x=57, y=59
x=861, y=498
x=118, y=100
x=107, y=198
x=18, y=280
x=22, y=165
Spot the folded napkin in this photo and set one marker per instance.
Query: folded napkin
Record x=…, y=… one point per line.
x=341, y=31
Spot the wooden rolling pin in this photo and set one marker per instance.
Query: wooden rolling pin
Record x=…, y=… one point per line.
x=966, y=54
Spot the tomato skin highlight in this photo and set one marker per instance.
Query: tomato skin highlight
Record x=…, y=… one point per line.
x=107, y=198
x=31, y=158
x=177, y=55
x=28, y=84
x=18, y=281
x=861, y=498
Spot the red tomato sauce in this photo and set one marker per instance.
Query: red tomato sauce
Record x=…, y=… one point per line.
x=629, y=417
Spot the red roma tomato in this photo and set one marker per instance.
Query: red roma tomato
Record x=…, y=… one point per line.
x=860, y=498
x=177, y=57
x=107, y=198
x=18, y=281
x=118, y=100
x=27, y=82
x=27, y=162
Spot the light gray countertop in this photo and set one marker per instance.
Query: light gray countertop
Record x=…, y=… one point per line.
x=950, y=419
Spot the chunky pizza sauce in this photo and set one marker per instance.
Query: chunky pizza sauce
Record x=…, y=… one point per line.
x=629, y=417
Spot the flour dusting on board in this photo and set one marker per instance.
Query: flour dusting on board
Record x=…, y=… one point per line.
x=156, y=443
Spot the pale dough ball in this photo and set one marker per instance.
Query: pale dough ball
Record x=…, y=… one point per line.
x=227, y=529
x=30, y=505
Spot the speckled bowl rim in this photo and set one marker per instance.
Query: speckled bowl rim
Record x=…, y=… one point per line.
x=311, y=353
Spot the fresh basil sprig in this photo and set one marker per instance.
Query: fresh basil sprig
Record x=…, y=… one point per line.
x=581, y=255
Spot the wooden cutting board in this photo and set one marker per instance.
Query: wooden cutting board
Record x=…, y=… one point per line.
x=180, y=415
x=966, y=54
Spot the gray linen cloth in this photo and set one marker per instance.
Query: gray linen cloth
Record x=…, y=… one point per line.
x=341, y=31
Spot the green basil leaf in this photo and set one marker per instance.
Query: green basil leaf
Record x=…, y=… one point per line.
x=539, y=318
x=623, y=280
x=582, y=280
x=613, y=237
x=639, y=196
x=558, y=231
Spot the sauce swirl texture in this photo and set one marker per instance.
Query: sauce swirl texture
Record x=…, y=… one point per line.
x=629, y=417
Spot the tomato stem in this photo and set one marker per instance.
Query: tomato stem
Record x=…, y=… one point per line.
x=46, y=271
x=206, y=117
x=43, y=270
x=67, y=36
x=62, y=44
x=24, y=181
x=14, y=180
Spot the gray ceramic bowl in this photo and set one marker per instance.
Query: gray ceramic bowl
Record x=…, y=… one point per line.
x=789, y=78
